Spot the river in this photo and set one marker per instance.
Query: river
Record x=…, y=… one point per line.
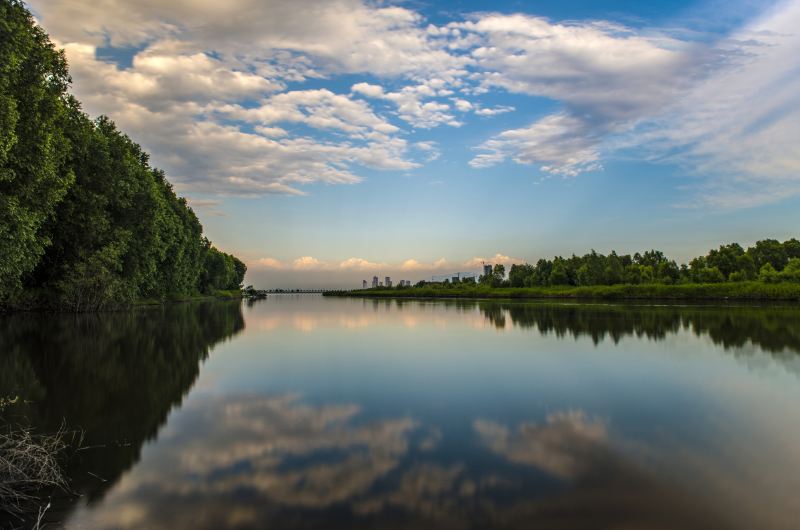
x=310, y=412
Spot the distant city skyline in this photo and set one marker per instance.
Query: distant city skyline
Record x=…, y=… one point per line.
x=327, y=142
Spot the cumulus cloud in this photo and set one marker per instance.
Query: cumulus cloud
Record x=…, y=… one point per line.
x=560, y=143
x=306, y=263
x=414, y=265
x=320, y=109
x=204, y=153
x=411, y=103
x=498, y=258
x=269, y=263
x=207, y=91
x=606, y=76
x=336, y=36
x=360, y=264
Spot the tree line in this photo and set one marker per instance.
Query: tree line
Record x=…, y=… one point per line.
x=85, y=221
x=768, y=261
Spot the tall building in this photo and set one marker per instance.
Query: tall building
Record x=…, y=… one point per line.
x=363, y=284
x=388, y=282
x=374, y=281
x=487, y=269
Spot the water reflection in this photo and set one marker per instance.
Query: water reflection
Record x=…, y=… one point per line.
x=256, y=462
x=113, y=376
x=408, y=414
x=774, y=329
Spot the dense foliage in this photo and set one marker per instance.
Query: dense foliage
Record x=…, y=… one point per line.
x=85, y=222
x=768, y=261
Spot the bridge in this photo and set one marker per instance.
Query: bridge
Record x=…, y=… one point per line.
x=297, y=291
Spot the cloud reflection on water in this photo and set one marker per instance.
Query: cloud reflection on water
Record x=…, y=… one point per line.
x=253, y=461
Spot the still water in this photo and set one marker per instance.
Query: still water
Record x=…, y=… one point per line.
x=304, y=411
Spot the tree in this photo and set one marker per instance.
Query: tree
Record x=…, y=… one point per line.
x=614, y=269
x=768, y=274
x=769, y=251
x=518, y=274
x=558, y=273
x=726, y=259
x=792, y=248
x=498, y=274
x=33, y=148
x=791, y=272
x=85, y=221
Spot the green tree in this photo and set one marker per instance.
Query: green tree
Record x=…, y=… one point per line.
x=518, y=274
x=33, y=148
x=768, y=274
x=726, y=259
x=558, y=273
x=769, y=251
x=792, y=248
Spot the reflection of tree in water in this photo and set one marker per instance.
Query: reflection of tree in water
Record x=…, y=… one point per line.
x=115, y=376
x=776, y=330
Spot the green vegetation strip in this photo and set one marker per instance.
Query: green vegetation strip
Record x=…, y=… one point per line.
x=712, y=291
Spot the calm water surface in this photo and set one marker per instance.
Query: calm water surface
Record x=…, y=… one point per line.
x=303, y=411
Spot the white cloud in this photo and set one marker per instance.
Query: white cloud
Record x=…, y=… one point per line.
x=206, y=92
x=201, y=152
x=606, y=76
x=269, y=263
x=462, y=105
x=320, y=109
x=741, y=125
x=498, y=258
x=336, y=35
x=360, y=264
x=560, y=144
x=306, y=263
x=411, y=103
x=414, y=265
x=494, y=111
x=600, y=68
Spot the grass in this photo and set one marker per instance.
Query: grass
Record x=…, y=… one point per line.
x=681, y=292
x=233, y=294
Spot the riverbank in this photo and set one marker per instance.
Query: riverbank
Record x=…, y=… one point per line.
x=232, y=294
x=35, y=304
x=756, y=291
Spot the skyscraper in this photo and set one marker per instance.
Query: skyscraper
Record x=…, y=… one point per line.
x=363, y=284
x=374, y=281
x=388, y=282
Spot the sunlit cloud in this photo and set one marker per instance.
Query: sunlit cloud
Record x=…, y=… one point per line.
x=307, y=262
x=497, y=259
x=270, y=263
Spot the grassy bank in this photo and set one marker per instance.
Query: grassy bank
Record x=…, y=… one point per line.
x=38, y=304
x=233, y=294
x=682, y=292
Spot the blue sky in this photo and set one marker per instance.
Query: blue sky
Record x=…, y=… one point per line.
x=324, y=142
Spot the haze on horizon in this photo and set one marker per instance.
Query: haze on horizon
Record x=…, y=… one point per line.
x=327, y=142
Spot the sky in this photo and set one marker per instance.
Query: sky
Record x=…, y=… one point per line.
x=324, y=142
